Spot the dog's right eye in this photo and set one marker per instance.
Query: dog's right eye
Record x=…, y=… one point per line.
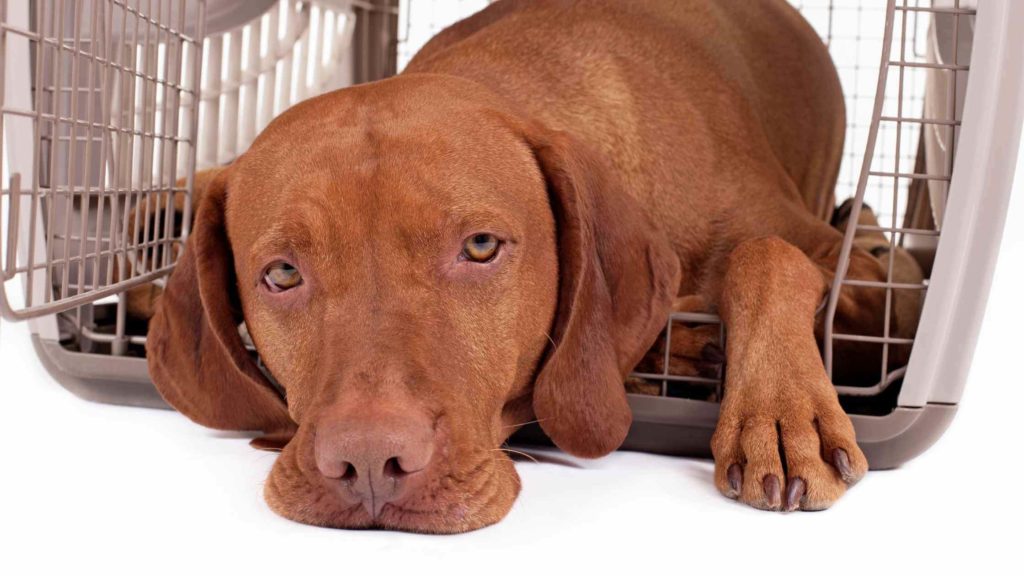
x=282, y=276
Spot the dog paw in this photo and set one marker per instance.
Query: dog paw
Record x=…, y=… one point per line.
x=785, y=455
x=694, y=351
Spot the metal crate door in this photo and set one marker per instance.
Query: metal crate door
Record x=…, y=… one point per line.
x=98, y=111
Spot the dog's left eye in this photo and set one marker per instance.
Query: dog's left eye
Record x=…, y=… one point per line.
x=282, y=276
x=480, y=248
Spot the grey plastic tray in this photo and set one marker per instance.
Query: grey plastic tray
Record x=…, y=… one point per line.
x=673, y=426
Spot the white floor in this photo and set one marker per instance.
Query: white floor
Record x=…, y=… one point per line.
x=95, y=489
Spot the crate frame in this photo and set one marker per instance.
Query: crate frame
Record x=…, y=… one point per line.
x=978, y=191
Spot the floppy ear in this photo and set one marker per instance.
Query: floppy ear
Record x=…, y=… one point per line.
x=196, y=356
x=618, y=278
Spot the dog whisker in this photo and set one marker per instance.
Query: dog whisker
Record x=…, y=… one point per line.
x=537, y=421
x=552, y=340
x=518, y=452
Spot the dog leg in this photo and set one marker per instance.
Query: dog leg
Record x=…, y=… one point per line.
x=695, y=349
x=783, y=442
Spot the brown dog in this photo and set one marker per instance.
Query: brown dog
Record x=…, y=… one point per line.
x=496, y=235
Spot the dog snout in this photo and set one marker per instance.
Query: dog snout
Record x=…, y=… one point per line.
x=376, y=457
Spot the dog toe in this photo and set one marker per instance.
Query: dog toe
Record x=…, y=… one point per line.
x=763, y=470
x=788, y=463
x=728, y=459
x=839, y=444
x=748, y=467
x=812, y=484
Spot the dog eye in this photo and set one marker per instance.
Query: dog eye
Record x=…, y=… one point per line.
x=282, y=276
x=480, y=248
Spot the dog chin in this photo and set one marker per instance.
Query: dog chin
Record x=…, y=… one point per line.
x=451, y=502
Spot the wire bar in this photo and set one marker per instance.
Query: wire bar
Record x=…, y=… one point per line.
x=108, y=92
x=891, y=163
x=127, y=98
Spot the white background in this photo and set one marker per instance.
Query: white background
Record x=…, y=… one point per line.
x=112, y=490
x=94, y=489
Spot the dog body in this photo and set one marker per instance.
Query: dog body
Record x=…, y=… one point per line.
x=723, y=120
x=497, y=235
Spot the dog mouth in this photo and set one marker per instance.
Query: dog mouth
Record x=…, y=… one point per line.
x=449, y=502
x=398, y=517
x=454, y=494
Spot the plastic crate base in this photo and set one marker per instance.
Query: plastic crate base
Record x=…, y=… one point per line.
x=670, y=426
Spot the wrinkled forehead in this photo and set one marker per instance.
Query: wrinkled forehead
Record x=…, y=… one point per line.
x=417, y=167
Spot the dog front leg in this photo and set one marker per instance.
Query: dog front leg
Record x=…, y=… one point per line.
x=782, y=441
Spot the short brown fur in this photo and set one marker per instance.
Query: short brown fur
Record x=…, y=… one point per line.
x=636, y=157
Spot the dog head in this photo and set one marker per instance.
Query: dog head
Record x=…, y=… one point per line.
x=422, y=272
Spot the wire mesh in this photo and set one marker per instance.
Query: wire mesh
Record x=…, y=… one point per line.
x=100, y=135
x=97, y=219
x=854, y=32
x=902, y=67
x=942, y=69
x=901, y=63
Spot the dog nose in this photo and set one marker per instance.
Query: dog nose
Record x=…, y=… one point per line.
x=378, y=457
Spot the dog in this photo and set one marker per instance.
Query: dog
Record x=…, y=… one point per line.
x=496, y=236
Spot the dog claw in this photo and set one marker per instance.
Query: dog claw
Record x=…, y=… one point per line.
x=772, y=491
x=735, y=475
x=713, y=353
x=708, y=370
x=841, y=460
x=795, y=493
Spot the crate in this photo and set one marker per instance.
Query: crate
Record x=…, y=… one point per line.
x=100, y=131
x=108, y=109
